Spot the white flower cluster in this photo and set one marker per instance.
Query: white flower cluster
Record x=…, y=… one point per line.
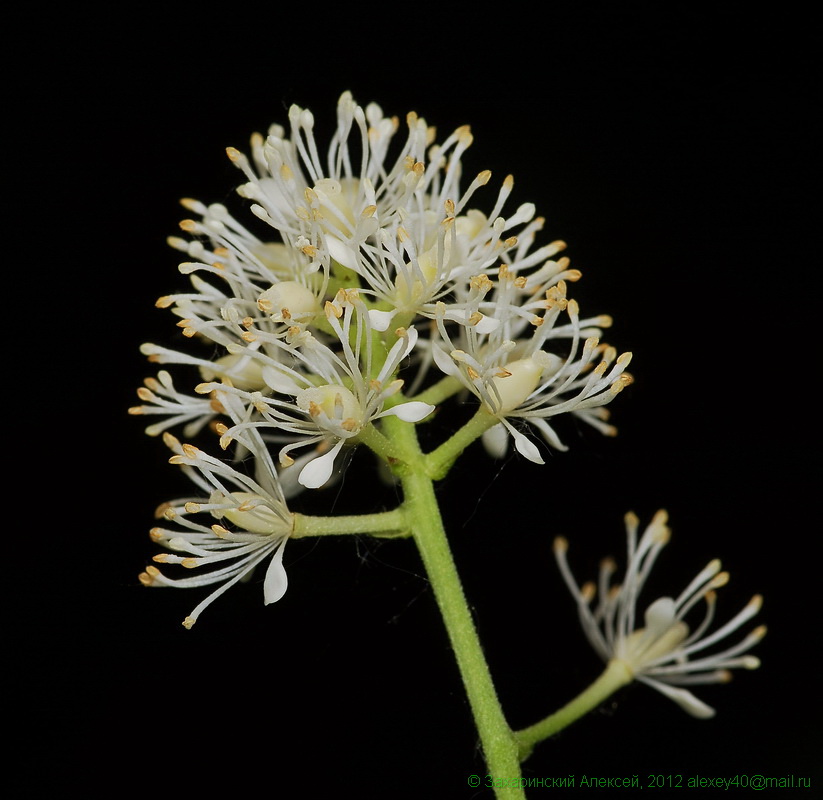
x=376, y=288
x=374, y=266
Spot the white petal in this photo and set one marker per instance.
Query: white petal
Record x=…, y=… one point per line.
x=685, y=699
x=380, y=320
x=548, y=433
x=496, y=441
x=342, y=253
x=288, y=477
x=413, y=411
x=525, y=446
x=487, y=325
x=318, y=471
x=278, y=381
x=411, y=341
x=276, y=581
x=443, y=361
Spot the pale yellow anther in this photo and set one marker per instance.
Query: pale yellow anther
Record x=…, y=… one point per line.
x=234, y=154
x=192, y=508
x=164, y=302
x=621, y=383
x=145, y=578
x=721, y=579
x=464, y=134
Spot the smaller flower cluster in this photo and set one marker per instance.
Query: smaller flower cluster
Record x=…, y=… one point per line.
x=661, y=650
x=255, y=508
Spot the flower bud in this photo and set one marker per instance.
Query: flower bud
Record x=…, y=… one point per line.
x=513, y=389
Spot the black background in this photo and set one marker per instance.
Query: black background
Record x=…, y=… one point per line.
x=671, y=150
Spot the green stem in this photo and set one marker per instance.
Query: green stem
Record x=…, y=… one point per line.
x=378, y=443
x=442, y=390
x=615, y=676
x=440, y=460
x=386, y=524
x=500, y=748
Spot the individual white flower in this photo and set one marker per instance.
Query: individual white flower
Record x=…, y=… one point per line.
x=327, y=395
x=660, y=650
x=511, y=365
x=254, y=506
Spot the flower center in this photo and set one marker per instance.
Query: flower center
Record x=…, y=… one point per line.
x=253, y=516
x=661, y=637
x=243, y=372
x=288, y=300
x=332, y=407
